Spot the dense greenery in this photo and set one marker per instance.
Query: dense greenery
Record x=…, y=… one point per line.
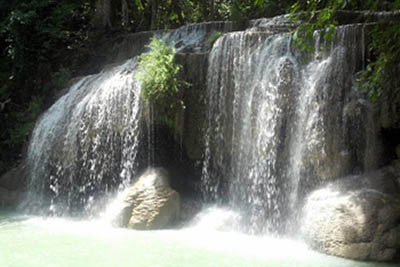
x=385, y=60
x=158, y=71
x=384, y=47
x=39, y=43
x=158, y=74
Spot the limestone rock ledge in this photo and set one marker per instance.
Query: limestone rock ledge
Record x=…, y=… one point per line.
x=151, y=203
x=356, y=217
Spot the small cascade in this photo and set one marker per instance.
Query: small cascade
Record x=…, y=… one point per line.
x=308, y=127
x=86, y=144
x=249, y=77
x=194, y=37
x=333, y=133
x=278, y=126
x=150, y=135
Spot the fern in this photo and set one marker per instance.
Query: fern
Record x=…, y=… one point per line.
x=158, y=73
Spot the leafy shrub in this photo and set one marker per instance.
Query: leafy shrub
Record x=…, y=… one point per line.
x=158, y=73
x=214, y=37
x=313, y=18
x=384, y=47
x=385, y=50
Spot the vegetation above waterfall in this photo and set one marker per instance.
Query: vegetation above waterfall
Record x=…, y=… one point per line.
x=158, y=74
x=384, y=48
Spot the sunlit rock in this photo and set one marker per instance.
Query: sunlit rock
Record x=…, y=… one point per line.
x=356, y=217
x=151, y=203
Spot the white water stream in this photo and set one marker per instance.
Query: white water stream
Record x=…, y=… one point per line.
x=279, y=124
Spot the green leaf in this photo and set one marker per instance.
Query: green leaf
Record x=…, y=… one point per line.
x=259, y=3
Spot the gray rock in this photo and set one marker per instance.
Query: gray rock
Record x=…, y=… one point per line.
x=14, y=179
x=398, y=151
x=9, y=198
x=151, y=203
x=356, y=217
x=190, y=207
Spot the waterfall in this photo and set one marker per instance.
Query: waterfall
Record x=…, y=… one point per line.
x=246, y=95
x=92, y=142
x=86, y=143
x=278, y=126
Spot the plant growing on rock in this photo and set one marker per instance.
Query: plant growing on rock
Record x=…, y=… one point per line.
x=161, y=86
x=213, y=38
x=158, y=71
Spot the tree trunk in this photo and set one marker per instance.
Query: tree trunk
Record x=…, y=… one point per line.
x=124, y=13
x=212, y=10
x=102, y=17
x=154, y=6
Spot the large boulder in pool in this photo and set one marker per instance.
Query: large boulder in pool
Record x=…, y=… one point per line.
x=151, y=202
x=356, y=217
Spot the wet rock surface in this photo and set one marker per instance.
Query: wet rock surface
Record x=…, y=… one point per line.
x=9, y=198
x=15, y=179
x=356, y=217
x=151, y=203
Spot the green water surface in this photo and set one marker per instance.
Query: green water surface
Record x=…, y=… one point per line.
x=34, y=241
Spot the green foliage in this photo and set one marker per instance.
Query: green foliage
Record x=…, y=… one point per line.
x=25, y=121
x=37, y=38
x=158, y=73
x=173, y=13
x=211, y=40
x=384, y=48
x=249, y=9
x=35, y=35
x=313, y=18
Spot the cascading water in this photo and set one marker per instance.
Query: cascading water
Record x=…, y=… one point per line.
x=86, y=143
x=246, y=96
x=276, y=127
x=90, y=143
